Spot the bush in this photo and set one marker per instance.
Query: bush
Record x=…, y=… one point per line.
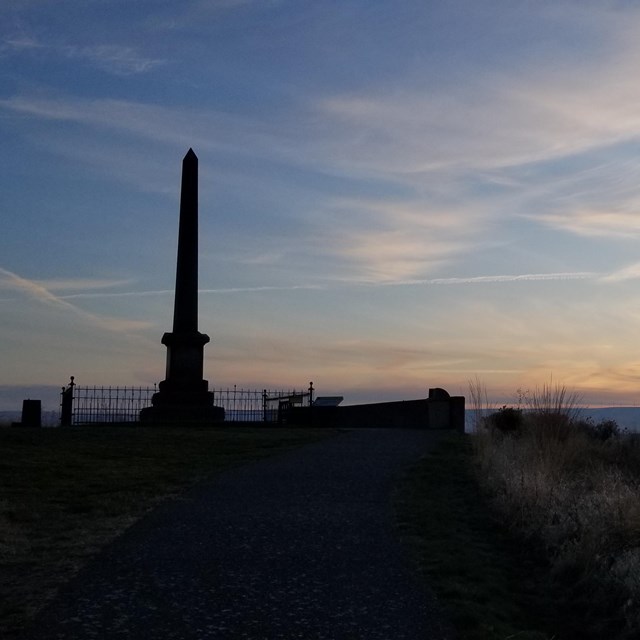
x=506, y=420
x=602, y=430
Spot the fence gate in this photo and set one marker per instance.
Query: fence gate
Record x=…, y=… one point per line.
x=275, y=406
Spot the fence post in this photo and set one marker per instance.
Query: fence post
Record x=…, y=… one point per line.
x=66, y=404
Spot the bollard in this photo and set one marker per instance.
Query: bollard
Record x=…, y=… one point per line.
x=31, y=413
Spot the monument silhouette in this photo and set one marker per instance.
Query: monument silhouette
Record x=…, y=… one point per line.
x=184, y=395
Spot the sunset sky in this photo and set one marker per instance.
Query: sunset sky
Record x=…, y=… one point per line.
x=393, y=195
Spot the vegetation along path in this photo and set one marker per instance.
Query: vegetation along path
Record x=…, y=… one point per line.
x=301, y=545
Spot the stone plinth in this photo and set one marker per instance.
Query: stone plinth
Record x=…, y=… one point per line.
x=183, y=409
x=184, y=396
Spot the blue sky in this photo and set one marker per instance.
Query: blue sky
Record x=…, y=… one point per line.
x=393, y=195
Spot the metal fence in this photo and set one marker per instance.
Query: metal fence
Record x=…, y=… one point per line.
x=251, y=405
x=93, y=405
x=90, y=405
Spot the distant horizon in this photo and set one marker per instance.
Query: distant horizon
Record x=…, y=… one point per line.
x=12, y=396
x=627, y=417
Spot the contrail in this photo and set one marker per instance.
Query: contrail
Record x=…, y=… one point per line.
x=162, y=292
x=117, y=294
x=527, y=277
x=40, y=291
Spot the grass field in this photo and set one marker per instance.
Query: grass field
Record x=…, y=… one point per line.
x=65, y=493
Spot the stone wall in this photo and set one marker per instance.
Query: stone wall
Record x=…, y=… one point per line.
x=438, y=411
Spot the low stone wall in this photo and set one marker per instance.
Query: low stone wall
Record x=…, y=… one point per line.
x=438, y=411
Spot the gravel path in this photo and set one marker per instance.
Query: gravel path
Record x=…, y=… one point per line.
x=301, y=545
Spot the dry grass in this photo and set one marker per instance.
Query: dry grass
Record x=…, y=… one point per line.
x=478, y=402
x=579, y=498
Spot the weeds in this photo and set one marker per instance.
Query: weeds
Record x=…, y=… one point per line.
x=574, y=488
x=479, y=402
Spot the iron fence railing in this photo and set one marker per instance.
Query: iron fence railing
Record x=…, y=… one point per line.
x=107, y=404
x=252, y=405
x=90, y=405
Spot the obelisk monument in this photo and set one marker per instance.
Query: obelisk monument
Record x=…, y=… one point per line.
x=184, y=395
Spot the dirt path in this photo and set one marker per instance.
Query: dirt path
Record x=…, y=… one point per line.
x=301, y=545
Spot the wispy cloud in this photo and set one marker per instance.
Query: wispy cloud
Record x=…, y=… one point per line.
x=75, y=284
x=387, y=240
x=502, y=118
x=601, y=223
x=116, y=59
x=19, y=43
x=393, y=255
x=178, y=126
x=36, y=291
x=212, y=6
x=489, y=124
x=630, y=272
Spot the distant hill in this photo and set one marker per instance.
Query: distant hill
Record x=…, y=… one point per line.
x=626, y=417
x=49, y=418
x=7, y=417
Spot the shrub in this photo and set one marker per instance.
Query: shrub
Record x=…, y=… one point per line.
x=506, y=420
x=552, y=412
x=602, y=430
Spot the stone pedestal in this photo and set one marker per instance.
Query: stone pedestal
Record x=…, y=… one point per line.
x=184, y=395
x=183, y=410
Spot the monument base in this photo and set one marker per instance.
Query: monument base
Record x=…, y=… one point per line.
x=181, y=415
x=182, y=407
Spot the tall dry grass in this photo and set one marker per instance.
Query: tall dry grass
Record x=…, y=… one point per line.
x=478, y=402
x=574, y=494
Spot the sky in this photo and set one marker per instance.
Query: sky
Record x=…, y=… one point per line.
x=393, y=195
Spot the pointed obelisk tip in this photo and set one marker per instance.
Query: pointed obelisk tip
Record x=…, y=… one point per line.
x=191, y=155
